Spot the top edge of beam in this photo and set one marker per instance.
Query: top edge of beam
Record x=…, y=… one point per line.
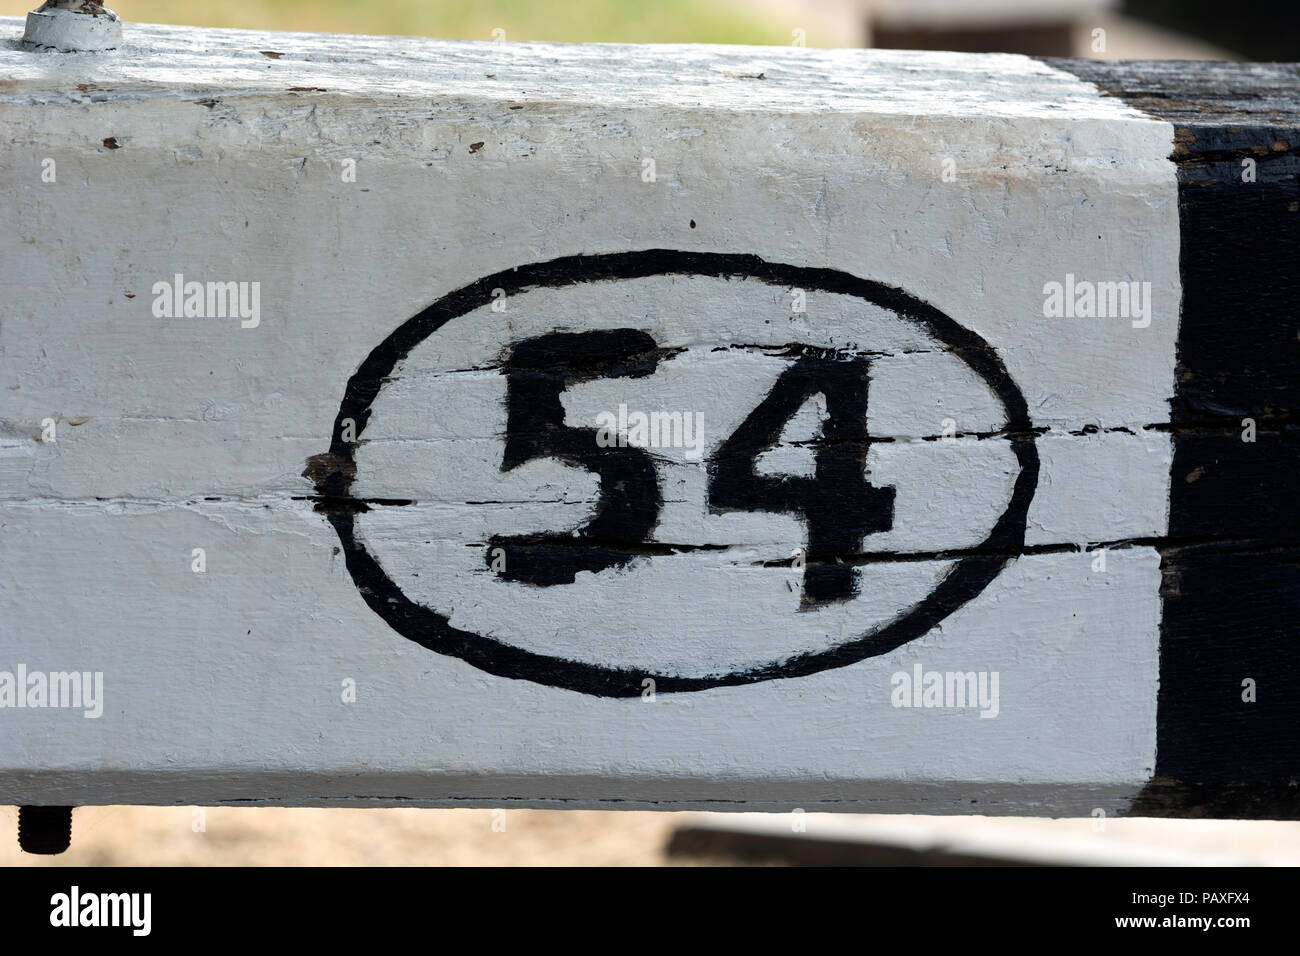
x=1199, y=93
x=157, y=60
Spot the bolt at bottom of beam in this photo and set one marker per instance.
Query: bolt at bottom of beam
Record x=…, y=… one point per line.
x=44, y=830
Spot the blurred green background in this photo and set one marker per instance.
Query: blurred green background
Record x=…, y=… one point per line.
x=613, y=21
x=1135, y=29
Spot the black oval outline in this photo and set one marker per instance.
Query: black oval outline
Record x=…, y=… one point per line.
x=433, y=631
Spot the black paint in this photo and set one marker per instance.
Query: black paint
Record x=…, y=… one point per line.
x=839, y=505
x=433, y=630
x=1231, y=562
x=537, y=371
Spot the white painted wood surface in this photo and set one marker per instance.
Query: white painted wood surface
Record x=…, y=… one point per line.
x=196, y=153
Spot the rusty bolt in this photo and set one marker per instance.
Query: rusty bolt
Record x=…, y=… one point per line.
x=77, y=6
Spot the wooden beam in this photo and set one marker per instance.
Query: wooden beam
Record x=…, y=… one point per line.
x=393, y=421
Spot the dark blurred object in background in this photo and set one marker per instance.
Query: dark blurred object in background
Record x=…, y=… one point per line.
x=1035, y=27
x=1267, y=31
x=1097, y=29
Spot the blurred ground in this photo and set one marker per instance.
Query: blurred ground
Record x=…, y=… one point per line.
x=158, y=836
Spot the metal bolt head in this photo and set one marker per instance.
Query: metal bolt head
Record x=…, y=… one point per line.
x=73, y=26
